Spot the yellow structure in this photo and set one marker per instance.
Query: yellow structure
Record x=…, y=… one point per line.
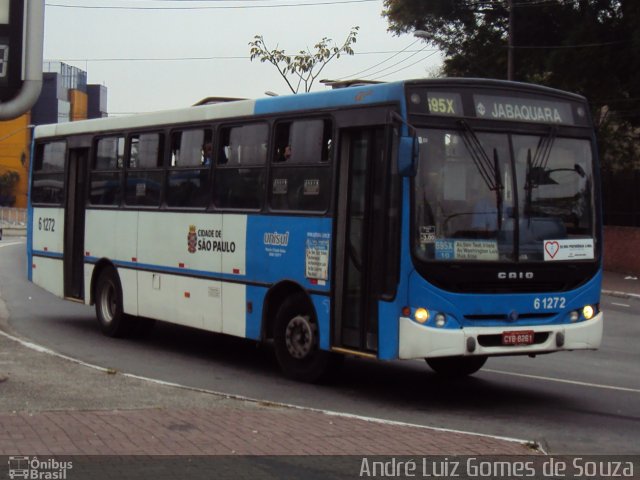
x=79, y=105
x=15, y=138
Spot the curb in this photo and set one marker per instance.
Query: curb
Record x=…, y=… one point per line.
x=532, y=445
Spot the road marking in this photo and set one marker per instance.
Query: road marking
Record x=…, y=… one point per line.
x=41, y=349
x=11, y=244
x=561, y=380
x=621, y=304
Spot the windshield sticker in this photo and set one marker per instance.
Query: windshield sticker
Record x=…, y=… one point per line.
x=476, y=250
x=427, y=234
x=581, y=249
x=466, y=250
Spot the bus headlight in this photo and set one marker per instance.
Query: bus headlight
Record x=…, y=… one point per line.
x=574, y=316
x=421, y=315
x=588, y=312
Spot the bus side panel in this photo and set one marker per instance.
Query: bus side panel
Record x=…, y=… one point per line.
x=47, y=273
x=389, y=312
x=255, y=298
x=234, y=316
x=48, y=231
x=290, y=248
x=322, y=305
x=193, y=302
x=47, y=249
x=112, y=235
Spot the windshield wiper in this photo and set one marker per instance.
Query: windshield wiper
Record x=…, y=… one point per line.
x=489, y=171
x=479, y=156
x=543, y=150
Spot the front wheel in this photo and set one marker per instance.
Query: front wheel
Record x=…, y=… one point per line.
x=297, y=343
x=456, y=366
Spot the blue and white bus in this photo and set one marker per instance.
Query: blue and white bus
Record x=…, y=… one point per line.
x=450, y=220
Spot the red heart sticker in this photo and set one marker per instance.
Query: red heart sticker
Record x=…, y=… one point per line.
x=552, y=248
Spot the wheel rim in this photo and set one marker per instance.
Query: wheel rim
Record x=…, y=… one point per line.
x=108, y=302
x=299, y=337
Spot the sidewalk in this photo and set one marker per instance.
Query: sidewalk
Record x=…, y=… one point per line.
x=53, y=406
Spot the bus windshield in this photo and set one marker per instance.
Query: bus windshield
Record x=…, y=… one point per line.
x=503, y=197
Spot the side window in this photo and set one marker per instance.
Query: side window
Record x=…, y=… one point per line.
x=240, y=169
x=48, y=173
x=106, y=174
x=188, y=177
x=145, y=151
x=301, y=171
x=144, y=170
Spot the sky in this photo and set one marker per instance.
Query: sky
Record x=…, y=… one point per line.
x=166, y=54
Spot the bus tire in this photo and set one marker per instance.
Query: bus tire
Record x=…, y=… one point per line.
x=453, y=367
x=296, y=341
x=108, y=300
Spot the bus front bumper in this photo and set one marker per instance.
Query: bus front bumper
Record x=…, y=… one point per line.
x=419, y=341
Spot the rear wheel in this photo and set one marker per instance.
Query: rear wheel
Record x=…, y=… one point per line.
x=108, y=297
x=297, y=342
x=456, y=366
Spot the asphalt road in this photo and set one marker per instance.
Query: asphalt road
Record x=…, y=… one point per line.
x=571, y=403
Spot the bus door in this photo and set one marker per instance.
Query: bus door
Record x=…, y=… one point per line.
x=361, y=212
x=74, y=215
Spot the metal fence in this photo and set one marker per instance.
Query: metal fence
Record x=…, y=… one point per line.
x=621, y=198
x=13, y=217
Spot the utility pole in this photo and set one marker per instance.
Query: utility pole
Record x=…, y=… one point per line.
x=510, y=68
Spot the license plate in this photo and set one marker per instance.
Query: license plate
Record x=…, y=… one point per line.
x=518, y=338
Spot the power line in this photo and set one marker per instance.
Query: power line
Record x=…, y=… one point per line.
x=394, y=65
x=408, y=66
x=219, y=57
x=208, y=7
x=355, y=75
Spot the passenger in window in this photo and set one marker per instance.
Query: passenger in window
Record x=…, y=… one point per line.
x=207, y=154
x=287, y=153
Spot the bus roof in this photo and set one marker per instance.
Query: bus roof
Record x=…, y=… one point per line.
x=351, y=96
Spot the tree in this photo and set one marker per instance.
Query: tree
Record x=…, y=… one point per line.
x=591, y=47
x=301, y=70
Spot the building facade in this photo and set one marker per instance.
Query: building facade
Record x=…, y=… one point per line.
x=65, y=97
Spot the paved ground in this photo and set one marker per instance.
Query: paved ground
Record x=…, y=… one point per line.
x=54, y=406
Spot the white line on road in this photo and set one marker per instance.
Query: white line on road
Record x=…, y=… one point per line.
x=562, y=380
x=11, y=244
x=621, y=304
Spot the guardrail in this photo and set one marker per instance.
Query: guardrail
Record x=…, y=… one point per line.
x=13, y=217
x=13, y=221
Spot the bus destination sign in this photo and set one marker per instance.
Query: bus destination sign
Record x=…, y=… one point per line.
x=519, y=109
